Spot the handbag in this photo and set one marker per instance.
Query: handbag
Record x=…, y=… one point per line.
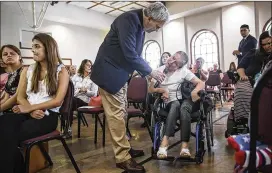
x=96, y=101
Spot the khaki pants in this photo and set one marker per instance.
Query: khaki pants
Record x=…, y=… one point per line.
x=115, y=107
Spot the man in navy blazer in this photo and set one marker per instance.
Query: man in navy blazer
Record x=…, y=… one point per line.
x=246, y=44
x=117, y=58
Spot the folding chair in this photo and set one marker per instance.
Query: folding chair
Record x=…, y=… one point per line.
x=214, y=80
x=93, y=111
x=137, y=95
x=227, y=82
x=65, y=112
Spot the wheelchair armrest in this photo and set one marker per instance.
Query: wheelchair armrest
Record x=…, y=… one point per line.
x=202, y=95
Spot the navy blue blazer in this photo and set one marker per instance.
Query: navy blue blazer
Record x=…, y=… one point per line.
x=120, y=53
x=245, y=46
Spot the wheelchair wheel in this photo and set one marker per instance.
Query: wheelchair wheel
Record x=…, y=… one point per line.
x=156, y=137
x=211, y=126
x=200, y=150
x=208, y=134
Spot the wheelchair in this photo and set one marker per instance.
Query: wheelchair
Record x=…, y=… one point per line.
x=203, y=129
x=236, y=126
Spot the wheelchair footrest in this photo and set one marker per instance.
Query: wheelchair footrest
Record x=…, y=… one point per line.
x=168, y=158
x=188, y=159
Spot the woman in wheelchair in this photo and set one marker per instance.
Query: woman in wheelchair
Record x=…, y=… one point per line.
x=176, y=72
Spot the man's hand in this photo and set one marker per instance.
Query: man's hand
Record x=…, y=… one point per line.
x=236, y=52
x=194, y=96
x=244, y=78
x=37, y=114
x=159, y=76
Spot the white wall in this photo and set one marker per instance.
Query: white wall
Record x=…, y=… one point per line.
x=209, y=20
x=76, y=42
x=264, y=13
x=233, y=17
x=173, y=36
x=157, y=36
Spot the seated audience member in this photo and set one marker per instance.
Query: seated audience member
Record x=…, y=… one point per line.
x=231, y=74
x=164, y=57
x=216, y=70
x=232, y=67
x=11, y=57
x=210, y=69
x=72, y=70
x=177, y=72
x=3, y=78
x=41, y=91
x=84, y=86
x=249, y=69
x=199, y=71
x=3, y=67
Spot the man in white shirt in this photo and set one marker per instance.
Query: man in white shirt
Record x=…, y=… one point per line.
x=176, y=72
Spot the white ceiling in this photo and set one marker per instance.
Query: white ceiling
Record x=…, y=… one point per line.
x=113, y=8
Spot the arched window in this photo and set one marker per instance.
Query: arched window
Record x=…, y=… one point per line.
x=152, y=53
x=268, y=25
x=205, y=44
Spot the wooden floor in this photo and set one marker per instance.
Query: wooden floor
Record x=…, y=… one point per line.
x=93, y=158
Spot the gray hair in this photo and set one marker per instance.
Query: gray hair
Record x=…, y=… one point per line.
x=202, y=61
x=185, y=57
x=157, y=11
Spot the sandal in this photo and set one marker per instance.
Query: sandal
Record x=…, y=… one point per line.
x=162, y=152
x=185, y=152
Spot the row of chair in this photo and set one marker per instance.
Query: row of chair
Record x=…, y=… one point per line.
x=213, y=81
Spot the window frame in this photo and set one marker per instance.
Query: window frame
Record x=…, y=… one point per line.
x=268, y=22
x=197, y=34
x=149, y=42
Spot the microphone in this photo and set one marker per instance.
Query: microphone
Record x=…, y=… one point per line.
x=165, y=71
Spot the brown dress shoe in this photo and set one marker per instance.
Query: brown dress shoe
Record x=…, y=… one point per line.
x=131, y=166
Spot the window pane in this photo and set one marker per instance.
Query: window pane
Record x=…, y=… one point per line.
x=215, y=48
x=151, y=53
x=214, y=40
x=203, y=49
x=205, y=46
x=197, y=42
x=197, y=50
x=206, y=41
x=209, y=49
